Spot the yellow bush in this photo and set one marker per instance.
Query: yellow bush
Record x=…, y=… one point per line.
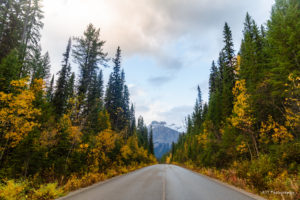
x=13, y=190
x=47, y=192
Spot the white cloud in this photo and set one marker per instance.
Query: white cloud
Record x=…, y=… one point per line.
x=173, y=33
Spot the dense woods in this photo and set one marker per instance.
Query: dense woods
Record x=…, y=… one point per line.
x=63, y=131
x=248, y=133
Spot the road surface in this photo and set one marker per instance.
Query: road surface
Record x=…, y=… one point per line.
x=160, y=182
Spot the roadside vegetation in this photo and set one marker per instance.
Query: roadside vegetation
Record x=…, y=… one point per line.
x=61, y=132
x=248, y=134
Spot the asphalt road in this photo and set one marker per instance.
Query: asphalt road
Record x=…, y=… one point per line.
x=160, y=182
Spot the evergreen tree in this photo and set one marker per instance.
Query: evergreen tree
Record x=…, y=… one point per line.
x=142, y=133
x=213, y=78
x=198, y=109
x=283, y=50
x=116, y=103
x=40, y=65
x=20, y=30
x=132, y=122
x=252, y=66
x=94, y=102
x=151, y=145
x=10, y=68
x=50, y=90
x=88, y=54
x=228, y=76
x=61, y=95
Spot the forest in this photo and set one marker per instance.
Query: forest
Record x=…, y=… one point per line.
x=60, y=132
x=248, y=133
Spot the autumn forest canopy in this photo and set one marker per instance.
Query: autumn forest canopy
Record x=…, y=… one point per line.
x=60, y=132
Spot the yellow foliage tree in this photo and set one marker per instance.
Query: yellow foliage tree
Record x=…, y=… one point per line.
x=292, y=104
x=17, y=112
x=271, y=130
x=277, y=133
x=104, y=144
x=242, y=115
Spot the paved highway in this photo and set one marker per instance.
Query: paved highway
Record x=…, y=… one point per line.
x=160, y=182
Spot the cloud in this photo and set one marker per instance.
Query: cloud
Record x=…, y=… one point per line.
x=173, y=35
x=160, y=80
x=177, y=114
x=145, y=26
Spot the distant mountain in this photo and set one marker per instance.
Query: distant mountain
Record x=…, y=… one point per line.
x=163, y=136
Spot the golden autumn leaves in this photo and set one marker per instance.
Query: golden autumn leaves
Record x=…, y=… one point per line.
x=270, y=131
x=17, y=112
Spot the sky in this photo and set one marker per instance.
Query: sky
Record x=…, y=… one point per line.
x=167, y=45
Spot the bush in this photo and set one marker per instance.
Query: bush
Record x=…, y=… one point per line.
x=13, y=190
x=47, y=192
x=257, y=172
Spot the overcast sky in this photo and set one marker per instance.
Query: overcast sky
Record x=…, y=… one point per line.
x=167, y=45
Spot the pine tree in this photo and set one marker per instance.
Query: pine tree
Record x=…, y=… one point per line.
x=61, y=95
x=198, y=109
x=151, y=145
x=253, y=66
x=94, y=102
x=9, y=70
x=20, y=30
x=142, y=133
x=88, y=54
x=132, y=121
x=116, y=103
x=283, y=51
x=40, y=65
x=50, y=90
x=228, y=76
x=213, y=78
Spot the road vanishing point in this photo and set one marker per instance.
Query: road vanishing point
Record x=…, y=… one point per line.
x=161, y=182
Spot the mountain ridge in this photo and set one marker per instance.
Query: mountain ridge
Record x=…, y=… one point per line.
x=163, y=137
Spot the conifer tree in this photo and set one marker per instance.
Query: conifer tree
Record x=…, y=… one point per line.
x=50, y=90
x=115, y=101
x=228, y=76
x=132, y=122
x=10, y=68
x=142, y=133
x=88, y=54
x=40, y=65
x=213, y=78
x=61, y=95
x=151, y=145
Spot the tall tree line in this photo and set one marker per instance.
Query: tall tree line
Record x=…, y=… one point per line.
x=55, y=126
x=252, y=115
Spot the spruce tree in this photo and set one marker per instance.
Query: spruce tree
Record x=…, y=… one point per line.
x=151, y=145
x=213, y=78
x=132, y=121
x=253, y=66
x=142, y=133
x=283, y=51
x=198, y=109
x=88, y=54
x=10, y=68
x=61, y=95
x=40, y=65
x=228, y=75
x=115, y=102
x=50, y=90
